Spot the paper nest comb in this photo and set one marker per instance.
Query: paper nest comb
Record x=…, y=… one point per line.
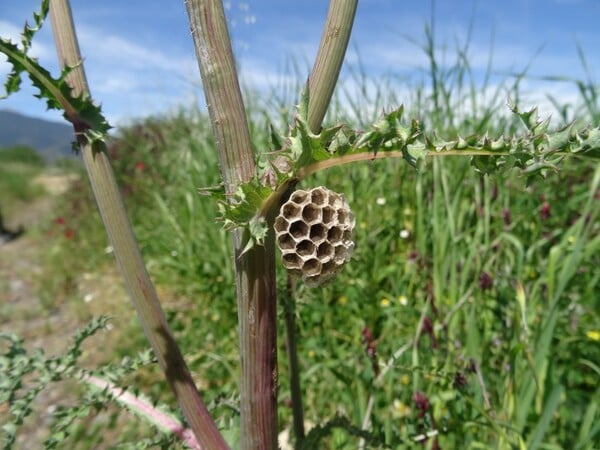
x=314, y=233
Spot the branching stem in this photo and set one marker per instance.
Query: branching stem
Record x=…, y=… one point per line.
x=255, y=269
x=126, y=250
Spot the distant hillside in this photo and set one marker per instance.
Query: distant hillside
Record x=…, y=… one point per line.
x=51, y=139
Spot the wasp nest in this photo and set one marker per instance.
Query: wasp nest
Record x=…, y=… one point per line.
x=314, y=233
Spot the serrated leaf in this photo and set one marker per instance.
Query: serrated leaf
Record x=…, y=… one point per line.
x=248, y=243
x=275, y=140
x=242, y=211
x=38, y=18
x=258, y=229
x=590, y=142
x=413, y=154
x=86, y=117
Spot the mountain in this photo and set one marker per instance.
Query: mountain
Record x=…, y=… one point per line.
x=51, y=139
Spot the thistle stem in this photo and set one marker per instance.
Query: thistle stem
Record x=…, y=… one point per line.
x=328, y=63
x=370, y=156
x=255, y=269
x=289, y=311
x=125, y=248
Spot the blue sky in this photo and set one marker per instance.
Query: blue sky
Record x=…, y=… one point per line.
x=139, y=56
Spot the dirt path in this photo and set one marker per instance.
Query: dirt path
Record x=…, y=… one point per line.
x=23, y=313
x=20, y=264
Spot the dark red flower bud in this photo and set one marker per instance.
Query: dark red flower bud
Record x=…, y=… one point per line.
x=421, y=403
x=367, y=335
x=506, y=217
x=485, y=281
x=459, y=381
x=545, y=211
x=427, y=328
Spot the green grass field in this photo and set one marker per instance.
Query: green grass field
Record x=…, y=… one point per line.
x=468, y=317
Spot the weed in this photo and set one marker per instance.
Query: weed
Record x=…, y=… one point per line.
x=467, y=317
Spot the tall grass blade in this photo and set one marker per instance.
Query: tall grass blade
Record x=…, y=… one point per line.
x=550, y=406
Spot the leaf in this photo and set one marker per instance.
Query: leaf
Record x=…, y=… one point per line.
x=243, y=211
x=38, y=19
x=303, y=152
x=85, y=116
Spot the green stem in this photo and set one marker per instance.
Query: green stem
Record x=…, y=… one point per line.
x=274, y=199
x=289, y=312
x=370, y=156
x=222, y=91
x=321, y=84
x=332, y=49
x=35, y=72
x=255, y=269
x=126, y=251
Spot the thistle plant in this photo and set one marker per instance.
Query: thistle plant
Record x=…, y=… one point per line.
x=259, y=202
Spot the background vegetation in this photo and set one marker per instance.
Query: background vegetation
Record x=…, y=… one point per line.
x=18, y=167
x=470, y=307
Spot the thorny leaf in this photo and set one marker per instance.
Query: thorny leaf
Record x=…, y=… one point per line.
x=534, y=153
x=85, y=116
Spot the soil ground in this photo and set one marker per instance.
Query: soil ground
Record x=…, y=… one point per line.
x=23, y=313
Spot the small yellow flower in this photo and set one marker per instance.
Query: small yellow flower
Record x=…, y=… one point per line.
x=594, y=335
x=343, y=300
x=311, y=353
x=403, y=300
x=400, y=409
x=405, y=379
x=363, y=225
x=385, y=302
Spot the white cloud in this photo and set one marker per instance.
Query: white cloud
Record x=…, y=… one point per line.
x=10, y=31
x=39, y=48
x=116, y=50
x=260, y=75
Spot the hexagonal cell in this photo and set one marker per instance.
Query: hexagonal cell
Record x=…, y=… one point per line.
x=342, y=215
x=329, y=215
x=313, y=281
x=298, y=229
x=318, y=233
x=286, y=242
x=311, y=267
x=330, y=267
x=300, y=197
x=334, y=234
x=281, y=224
x=311, y=213
x=291, y=261
x=290, y=210
x=347, y=236
x=319, y=195
x=350, y=220
x=305, y=248
x=340, y=254
x=337, y=202
x=325, y=251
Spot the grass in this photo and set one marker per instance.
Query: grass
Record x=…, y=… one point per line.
x=16, y=188
x=469, y=308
